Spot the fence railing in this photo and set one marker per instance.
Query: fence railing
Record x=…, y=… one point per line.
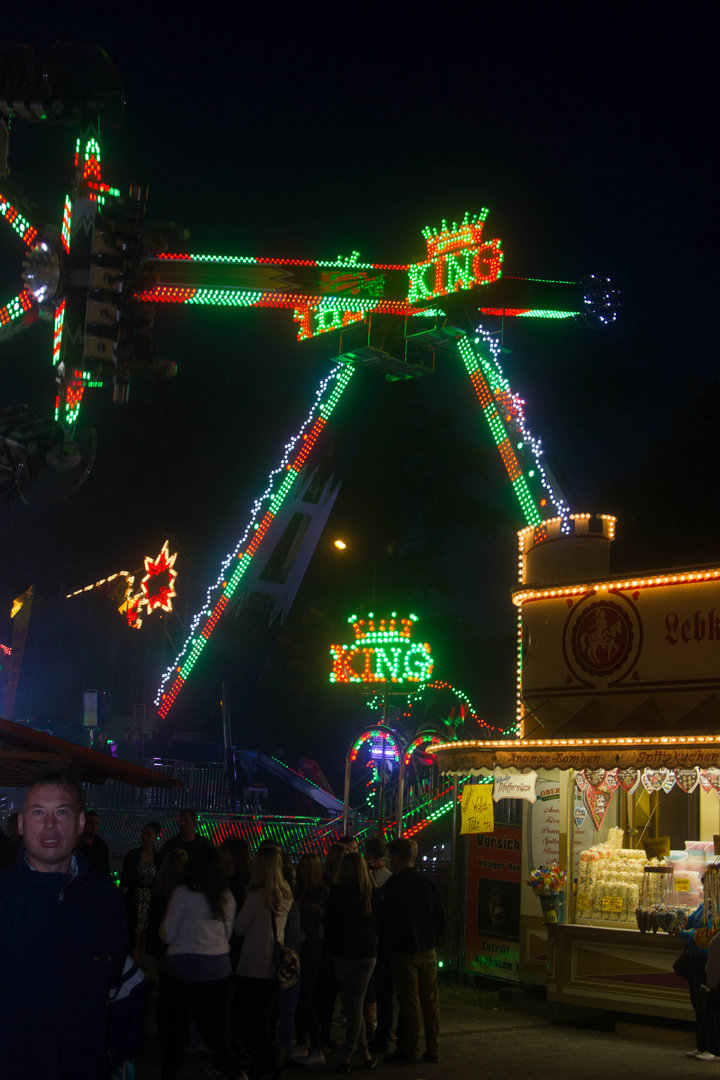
x=204, y=787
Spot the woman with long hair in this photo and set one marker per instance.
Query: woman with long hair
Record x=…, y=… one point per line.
x=237, y=860
x=167, y=880
x=196, y=929
x=268, y=902
x=311, y=895
x=238, y=866
x=351, y=935
x=326, y=986
x=335, y=856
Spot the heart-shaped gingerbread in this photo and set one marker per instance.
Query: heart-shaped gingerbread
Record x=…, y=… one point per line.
x=704, y=779
x=628, y=779
x=653, y=779
x=611, y=779
x=687, y=779
x=597, y=800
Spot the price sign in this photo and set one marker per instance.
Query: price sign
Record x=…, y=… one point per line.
x=477, y=809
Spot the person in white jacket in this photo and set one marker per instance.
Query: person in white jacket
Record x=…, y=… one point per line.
x=269, y=895
x=196, y=973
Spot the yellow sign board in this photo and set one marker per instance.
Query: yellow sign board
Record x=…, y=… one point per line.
x=478, y=815
x=658, y=848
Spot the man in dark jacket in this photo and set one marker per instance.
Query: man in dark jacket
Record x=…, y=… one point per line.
x=188, y=838
x=63, y=943
x=94, y=847
x=412, y=920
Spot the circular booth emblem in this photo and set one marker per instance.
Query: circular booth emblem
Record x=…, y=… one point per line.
x=602, y=637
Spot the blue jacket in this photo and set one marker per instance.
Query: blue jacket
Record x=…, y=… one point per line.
x=695, y=921
x=63, y=943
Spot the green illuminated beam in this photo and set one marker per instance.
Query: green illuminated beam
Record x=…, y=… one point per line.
x=474, y=367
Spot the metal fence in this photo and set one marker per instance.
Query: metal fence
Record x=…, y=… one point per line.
x=204, y=787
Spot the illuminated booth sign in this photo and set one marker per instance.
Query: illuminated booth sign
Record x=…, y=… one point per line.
x=383, y=652
x=634, y=655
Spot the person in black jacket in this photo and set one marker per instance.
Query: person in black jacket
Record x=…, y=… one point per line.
x=93, y=847
x=63, y=944
x=137, y=877
x=188, y=838
x=351, y=937
x=412, y=921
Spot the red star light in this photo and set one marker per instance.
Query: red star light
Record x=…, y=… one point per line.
x=155, y=593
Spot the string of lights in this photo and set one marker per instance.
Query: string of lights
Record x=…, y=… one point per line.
x=23, y=228
x=495, y=394
x=280, y=482
x=16, y=308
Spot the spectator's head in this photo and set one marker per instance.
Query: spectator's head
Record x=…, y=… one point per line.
x=150, y=832
x=269, y=844
x=309, y=873
x=52, y=820
x=402, y=854
x=187, y=824
x=92, y=824
x=350, y=842
x=236, y=852
x=170, y=872
x=205, y=873
x=375, y=848
x=267, y=876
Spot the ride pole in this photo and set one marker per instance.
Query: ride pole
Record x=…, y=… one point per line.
x=401, y=794
x=346, y=796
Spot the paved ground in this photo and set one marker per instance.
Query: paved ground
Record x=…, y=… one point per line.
x=477, y=1041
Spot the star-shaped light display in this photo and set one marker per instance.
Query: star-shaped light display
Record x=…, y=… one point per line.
x=157, y=593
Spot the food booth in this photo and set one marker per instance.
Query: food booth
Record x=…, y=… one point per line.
x=615, y=774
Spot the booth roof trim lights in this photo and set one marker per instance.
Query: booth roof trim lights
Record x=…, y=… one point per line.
x=475, y=757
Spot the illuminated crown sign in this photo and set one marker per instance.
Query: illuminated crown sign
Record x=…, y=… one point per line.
x=383, y=653
x=372, y=629
x=457, y=259
x=445, y=239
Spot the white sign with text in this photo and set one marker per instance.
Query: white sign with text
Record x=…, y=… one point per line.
x=511, y=785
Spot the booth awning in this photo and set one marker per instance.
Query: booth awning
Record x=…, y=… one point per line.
x=24, y=751
x=686, y=751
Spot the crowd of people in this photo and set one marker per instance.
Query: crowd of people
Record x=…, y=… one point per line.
x=217, y=919
x=254, y=953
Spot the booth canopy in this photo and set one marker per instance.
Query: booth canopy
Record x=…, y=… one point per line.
x=24, y=751
x=472, y=758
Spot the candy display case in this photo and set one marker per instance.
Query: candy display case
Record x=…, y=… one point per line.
x=655, y=910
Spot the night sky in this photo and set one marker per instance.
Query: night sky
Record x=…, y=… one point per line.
x=327, y=130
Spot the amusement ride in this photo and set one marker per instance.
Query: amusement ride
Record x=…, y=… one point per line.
x=96, y=277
